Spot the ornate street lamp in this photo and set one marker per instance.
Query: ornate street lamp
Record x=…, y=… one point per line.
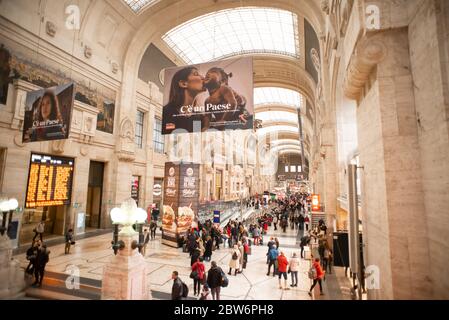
x=127, y=215
x=7, y=205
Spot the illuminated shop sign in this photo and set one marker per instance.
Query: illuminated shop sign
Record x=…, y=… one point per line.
x=316, y=205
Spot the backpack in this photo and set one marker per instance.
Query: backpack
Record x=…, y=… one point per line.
x=312, y=273
x=224, y=279
x=273, y=255
x=185, y=290
x=235, y=256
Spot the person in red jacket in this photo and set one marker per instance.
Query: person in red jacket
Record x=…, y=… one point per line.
x=319, y=276
x=282, y=270
x=200, y=269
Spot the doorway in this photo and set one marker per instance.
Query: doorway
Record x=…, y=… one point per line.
x=94, y=195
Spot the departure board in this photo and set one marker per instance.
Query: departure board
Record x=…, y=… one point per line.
x=49, y=181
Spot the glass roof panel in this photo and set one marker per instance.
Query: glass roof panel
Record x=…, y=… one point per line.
x=243, y=30
x=138, y=5
x=281, y=142
x=277, y=116
x=272, y=129
x=277, y=96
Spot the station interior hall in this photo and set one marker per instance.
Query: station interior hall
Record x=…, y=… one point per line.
x=144, y=140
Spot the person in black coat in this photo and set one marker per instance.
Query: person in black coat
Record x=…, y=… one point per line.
x=176, y=290
x=208, y=249
x=42, y=258
x=31, y=257
x=195, y=255
x=214, y=278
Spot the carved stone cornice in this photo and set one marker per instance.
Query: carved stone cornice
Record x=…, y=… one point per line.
x=369, y=52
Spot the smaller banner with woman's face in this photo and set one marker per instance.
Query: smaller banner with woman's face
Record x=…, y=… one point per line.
x=48, y=114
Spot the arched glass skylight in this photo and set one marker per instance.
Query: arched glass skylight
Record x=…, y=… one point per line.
x=286, y=147
x=237, y=31
x=282, y=142
x=138, y=5
x=277, y=96
x=290, y=151
x=274, y=129
x=277, y=116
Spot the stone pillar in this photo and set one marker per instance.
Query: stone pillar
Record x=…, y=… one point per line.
x=12, y=283
x=395, y=232
x=125, y=276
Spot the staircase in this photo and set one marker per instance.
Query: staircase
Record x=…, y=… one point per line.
x=54, y=288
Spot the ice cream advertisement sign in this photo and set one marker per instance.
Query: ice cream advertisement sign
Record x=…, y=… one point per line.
x=181, y=192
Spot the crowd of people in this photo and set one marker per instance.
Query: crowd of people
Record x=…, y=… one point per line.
x=239, y=236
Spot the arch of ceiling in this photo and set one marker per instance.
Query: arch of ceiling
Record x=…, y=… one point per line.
x=157, y=20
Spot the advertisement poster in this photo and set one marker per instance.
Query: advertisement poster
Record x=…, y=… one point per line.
x=48, y=113
x=180, y=209
x=214, y=95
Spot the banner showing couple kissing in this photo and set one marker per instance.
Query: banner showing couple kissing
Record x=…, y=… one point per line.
x=181, y=194
x=214, y=95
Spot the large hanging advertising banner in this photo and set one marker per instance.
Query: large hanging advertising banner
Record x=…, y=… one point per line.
x=181, y=194
x=48, y=113
x=214, y=95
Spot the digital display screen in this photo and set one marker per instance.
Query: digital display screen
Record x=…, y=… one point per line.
x=49, y=181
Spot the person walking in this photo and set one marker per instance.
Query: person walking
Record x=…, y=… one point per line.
x=42, y=258
x=272, y=256
x=198, y=271
x=177, y=288
x=275, y=222
x=39, y=230
x=256, y=235
x=195, y=256
x=327, y=259
x=294, y=268
x=206, y=293
x=234, y=262
x=208, y=249
x=304, y=242
x=153, y=228
x=282, y=270
x=242, y=256
x=319, y=275
x=214, y=280
x=68, y=241
x=146, y=239
x=306, y=222
x=31, y=257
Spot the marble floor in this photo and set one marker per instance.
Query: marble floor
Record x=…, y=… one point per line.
x=90, y=256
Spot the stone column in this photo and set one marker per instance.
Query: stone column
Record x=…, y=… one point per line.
x=12, y=283
x=125, y=276
x=395, y=233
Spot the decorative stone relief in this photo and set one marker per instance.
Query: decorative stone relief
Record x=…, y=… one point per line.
x=50, y=28
x=77, y=121
x=89, y=124
x=369, y=53
x=58, y=146
x=18, y=140
x=84, y=151
x=87, y=52
x=325, y=6
x=126, y=146
x=115, y=67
